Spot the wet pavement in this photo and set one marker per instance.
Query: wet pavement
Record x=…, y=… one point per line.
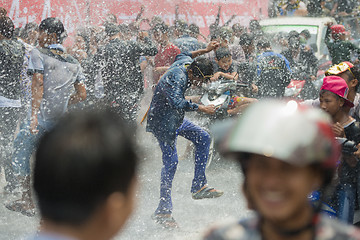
x=194, y=217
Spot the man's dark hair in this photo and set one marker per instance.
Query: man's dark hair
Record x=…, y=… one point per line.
x=263, y=43
x=6, y=27
x=111, y=29
x=162, y=27
x=85, y=158
x=181, y=26
x=306, y=33
x=254, y=25
x=110, y=18
x=193, y=28
x=246, y=39
x=292, y=34
x=124, y=29
x=222, y=53
x=29, y=27
x=3, y=12
x=53, y=25
x=356, y=71
x=237, y=28
x=225, y=33
x=201, y=67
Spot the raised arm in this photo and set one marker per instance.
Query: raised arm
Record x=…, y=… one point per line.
x=213, y=45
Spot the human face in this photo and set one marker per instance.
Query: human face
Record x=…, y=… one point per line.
x=80, y=42
x=157, y=36
x=225, y=62
x=330, y=103
x=278, y=190
x=33, y=36
x=46, y=39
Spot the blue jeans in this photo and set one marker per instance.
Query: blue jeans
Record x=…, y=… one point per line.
x=347, y=191
x=25, y=144
x=201, y=139
x=8, y=121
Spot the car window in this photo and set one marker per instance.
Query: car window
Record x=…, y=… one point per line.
x=273, y=29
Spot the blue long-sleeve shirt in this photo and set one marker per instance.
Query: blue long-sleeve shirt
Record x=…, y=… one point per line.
x=168, y=105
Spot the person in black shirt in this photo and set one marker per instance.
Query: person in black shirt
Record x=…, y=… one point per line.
x=11, y=60
x=333, y=100
x=303, y=63
x=120, y=70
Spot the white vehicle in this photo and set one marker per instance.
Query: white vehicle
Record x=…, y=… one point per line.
x=316, y=27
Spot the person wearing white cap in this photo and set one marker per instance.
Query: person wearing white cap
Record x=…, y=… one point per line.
x=286, y=151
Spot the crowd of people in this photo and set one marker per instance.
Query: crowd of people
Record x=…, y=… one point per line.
x=85, y=164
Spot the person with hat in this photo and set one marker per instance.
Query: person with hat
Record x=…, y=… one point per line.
x=334, y=101
x=350, y=73
x=340, y=49
x=282, y=164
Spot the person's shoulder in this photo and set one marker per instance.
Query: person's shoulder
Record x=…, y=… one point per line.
x=184, y=56
x=173, y=47
x=11, y=47
x=243, y=230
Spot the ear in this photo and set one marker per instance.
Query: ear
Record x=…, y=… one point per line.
x=342, y=102
x=190, y=73
x=53, y=37
x=114, y=208
x=354, y=83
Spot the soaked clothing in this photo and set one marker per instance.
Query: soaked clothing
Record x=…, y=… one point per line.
x=119, y=62
x=349, y=176
x=201, y=140
x=340, y=51
x=60, y=71
x=11, y=60
x=326, y=229
x=273, y=74
x=166, y=121
x=165, y=57
x=303, y=66
x=168, y=105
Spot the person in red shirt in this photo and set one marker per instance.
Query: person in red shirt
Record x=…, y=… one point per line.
x=166, y=53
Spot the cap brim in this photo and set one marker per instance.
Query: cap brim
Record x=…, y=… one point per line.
x=349, y=103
